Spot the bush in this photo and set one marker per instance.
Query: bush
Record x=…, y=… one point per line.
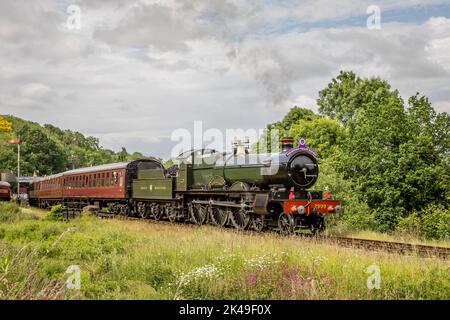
x=356, y=214
x=10, y=212
x=432, y=223
x=56, y=213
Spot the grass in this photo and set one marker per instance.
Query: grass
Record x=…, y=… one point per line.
x=138, y=260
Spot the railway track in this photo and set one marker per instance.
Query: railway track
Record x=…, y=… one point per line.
x=394, y=247
x=372, y=245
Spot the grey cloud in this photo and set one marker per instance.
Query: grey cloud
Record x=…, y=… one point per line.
x=152, y=25
x=142, y=70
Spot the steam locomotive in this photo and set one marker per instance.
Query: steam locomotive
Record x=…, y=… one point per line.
x=238, y=189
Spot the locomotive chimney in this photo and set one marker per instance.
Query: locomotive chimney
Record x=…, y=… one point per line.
x=287, y=144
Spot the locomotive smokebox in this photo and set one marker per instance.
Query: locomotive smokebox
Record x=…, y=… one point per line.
x=287, y=144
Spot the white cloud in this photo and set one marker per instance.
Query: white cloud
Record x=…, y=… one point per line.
x=138, y=70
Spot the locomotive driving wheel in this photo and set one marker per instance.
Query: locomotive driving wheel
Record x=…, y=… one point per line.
x=124, y=210
x=286, y=224
x=142, y=210
x=259, y=224
x=198, y=213
x=218, y=215
x=171, y=213
x=156, y=212
x=240, y=219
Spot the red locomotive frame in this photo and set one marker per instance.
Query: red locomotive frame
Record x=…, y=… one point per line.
x=319, y=206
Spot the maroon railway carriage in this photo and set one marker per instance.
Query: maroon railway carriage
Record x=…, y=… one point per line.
x=5, y=191
x=100, y=185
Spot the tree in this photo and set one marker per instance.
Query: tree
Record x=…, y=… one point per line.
x=392, y=157
x=293, y=116
x=136, y=155
x=122, y=155
x=5, y=126
x=51, y=150
x=39, y=152
x=340, y=100
x=276, y=131
x=324, y=135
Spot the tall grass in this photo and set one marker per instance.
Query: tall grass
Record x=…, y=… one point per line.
x=19, y=279
x=10, y=212
x=138, y=260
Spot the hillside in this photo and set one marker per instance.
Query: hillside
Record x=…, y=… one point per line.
x=47, y=149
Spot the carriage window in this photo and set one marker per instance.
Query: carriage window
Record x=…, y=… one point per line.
x=107, y=179
x=120, y=180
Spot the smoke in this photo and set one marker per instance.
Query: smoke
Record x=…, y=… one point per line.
x=171, y=26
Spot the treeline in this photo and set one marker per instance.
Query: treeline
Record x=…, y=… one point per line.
x=47, y=149
x=389, y=160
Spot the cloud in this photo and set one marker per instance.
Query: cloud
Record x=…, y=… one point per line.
x=153, y=25
x=137, y=70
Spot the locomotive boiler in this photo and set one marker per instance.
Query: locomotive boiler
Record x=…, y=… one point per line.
x=292, y=168
x=296, y=168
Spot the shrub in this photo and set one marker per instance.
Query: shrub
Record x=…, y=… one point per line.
x=56, y=213
x=10, y=212
x=433, y=222
x=356, y=214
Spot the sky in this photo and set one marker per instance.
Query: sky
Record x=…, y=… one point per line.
x=134, y=72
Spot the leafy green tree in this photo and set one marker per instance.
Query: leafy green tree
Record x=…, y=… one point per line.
x=340, y=100
x=393, y=157
x=39, y=152
x=294, y=115
x=136, y=155
x=122, y=155
x=276, y=131
x=324, y=135
x=69, y=149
